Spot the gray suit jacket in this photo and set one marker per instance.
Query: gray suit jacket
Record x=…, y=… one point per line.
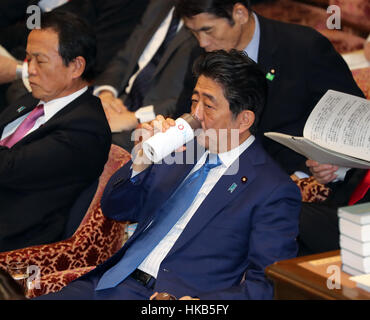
x=168, y=81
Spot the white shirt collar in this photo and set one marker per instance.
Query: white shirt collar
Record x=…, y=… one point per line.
x=227, y=158
x=253, y=45
x=54, y=106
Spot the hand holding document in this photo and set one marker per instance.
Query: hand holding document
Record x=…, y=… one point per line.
x=336, y=132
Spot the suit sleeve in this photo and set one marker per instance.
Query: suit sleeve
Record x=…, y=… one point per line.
x=328, y=70
x=272, y=238
x=116, y=70
x=124, y=196
x=57, y=158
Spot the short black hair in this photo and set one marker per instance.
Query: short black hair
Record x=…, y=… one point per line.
x=76, y=38
x=243, y=82
x=219, y=8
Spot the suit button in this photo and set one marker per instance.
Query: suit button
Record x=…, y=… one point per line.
x=165, y=270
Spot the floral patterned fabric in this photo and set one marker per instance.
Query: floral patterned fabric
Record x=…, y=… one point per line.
x=356, y=12
x=311, y=190
x=345, y=40
x=56, y=281
x=96, y=239
x=362, y=78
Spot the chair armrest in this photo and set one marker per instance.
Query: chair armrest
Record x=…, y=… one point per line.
x=311, y=190
x=56, y=281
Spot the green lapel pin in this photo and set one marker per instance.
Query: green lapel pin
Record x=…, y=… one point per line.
x=270, y=75
x=20, y=109
x=232, y=187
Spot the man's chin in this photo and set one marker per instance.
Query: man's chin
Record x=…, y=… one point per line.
x=207, y=143
x=36, y=93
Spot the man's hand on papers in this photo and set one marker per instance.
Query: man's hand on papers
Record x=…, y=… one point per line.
x=109, y=101
x=323, y=173
x=119, y=118
x=122, y=121
x=8, y=68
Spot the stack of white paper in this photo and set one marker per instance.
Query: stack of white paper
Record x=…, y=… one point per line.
x=354, y=227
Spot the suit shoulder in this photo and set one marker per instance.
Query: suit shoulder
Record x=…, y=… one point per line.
x=89, y=101
x=270, y=171
x=26, y=99
x=303, y=36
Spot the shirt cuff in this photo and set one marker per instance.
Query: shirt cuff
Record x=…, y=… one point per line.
x=301, y=175
x=133, y=175
x=25, y=80
x=341, y=174
x=145, y=114
x=99, y=89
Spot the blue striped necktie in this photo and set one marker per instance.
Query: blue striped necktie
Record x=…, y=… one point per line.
x=163, y=222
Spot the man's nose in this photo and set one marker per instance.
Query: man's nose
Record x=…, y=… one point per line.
x=198, y=111
x=203, y=41
x=31, y=68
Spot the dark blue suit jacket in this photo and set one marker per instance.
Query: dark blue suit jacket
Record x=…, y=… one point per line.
x=232, y=237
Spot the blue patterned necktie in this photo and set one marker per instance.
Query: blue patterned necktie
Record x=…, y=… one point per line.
x=143, y=80
x=163, y=222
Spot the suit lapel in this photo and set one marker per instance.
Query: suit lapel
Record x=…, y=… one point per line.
x=228, y=188
x=268, y=46
x=16, y=111
x=146, y=37
x=181, y=37
x=56, y=118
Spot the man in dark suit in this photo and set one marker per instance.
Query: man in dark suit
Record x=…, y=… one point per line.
x=299, y=63
x=54, y=143
x=113, y=22
x=13, y=16
x=208, y=227
x=318, y=227
x=148, y=71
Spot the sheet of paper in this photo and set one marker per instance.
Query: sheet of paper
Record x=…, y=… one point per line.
x=315, y=152
x=341, y=122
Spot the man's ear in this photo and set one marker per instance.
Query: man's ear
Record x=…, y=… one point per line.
x=240, y=13
x=78, y=66
x=246, y=119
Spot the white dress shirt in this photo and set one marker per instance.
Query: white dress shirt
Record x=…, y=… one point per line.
x=152, y=262
x=49, y=5
x=253, y=46
x=50, y=109
x=147, y=55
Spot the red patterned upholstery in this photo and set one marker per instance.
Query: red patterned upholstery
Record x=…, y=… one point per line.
x=362, y=78
x=343, y=42
x=96, y=239
x=346, y=40
x=56, y=281
x=311, y=190
x=355, y=12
